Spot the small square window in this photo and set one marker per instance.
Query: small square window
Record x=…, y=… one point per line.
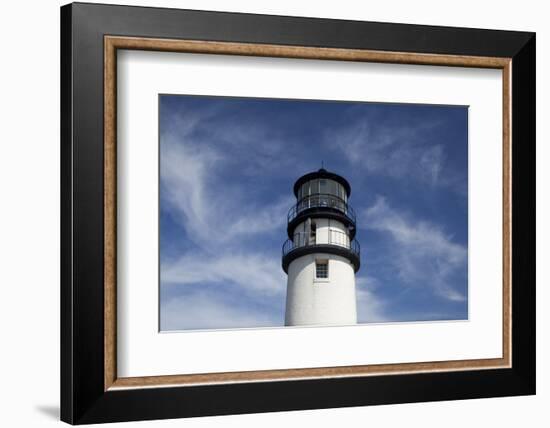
x=321, y=269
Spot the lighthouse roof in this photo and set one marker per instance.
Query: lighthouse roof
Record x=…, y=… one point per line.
x=322, y=173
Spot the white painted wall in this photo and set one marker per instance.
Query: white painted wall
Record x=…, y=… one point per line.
x=324, y=227
x=315, y=301
x=312, y=301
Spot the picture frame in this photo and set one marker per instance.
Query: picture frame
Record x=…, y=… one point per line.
x=91, y=391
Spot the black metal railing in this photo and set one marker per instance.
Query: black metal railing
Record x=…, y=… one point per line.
x=321, y=200
x=335, y=237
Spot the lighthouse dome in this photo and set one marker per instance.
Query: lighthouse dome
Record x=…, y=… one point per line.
x=322, y=181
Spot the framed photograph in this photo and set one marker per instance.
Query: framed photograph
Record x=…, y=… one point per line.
x=266, y=213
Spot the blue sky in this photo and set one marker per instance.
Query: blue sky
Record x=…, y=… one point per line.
x=227, y=166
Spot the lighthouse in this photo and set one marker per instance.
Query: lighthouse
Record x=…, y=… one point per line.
x=321, y=255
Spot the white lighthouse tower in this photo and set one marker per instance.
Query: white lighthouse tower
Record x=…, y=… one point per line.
x=321, y=255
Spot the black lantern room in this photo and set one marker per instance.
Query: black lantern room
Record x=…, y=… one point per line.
x=321, y=194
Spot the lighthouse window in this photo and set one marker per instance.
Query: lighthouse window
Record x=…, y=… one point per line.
x=332, y=187
x=314, y=187
x=323, y=186
x=321, y=268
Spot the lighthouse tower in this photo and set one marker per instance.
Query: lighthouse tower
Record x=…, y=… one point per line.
x=321, y=255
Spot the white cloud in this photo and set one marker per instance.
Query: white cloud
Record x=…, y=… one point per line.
x=217, y=222
x=421, y=252
x=395, y=150
x=370, y=307
x=253, y=273
x=191, y=187
x=203, y=310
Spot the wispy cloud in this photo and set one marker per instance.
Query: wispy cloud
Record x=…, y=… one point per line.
x=421, y=252
x=253, y=273
x=370, y=306
x=218, y=223
x=190, y=185
x=206, y=310
x=395, y=148
x=263, y=143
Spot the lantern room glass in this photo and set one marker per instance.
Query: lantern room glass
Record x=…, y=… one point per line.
x=323, y=186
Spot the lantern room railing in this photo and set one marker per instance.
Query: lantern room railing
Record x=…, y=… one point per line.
x=334, y=237
x=321, y=200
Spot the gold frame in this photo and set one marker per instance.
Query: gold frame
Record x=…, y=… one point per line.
x=112, y=43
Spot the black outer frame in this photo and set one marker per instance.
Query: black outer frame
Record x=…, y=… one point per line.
x=83, y=399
